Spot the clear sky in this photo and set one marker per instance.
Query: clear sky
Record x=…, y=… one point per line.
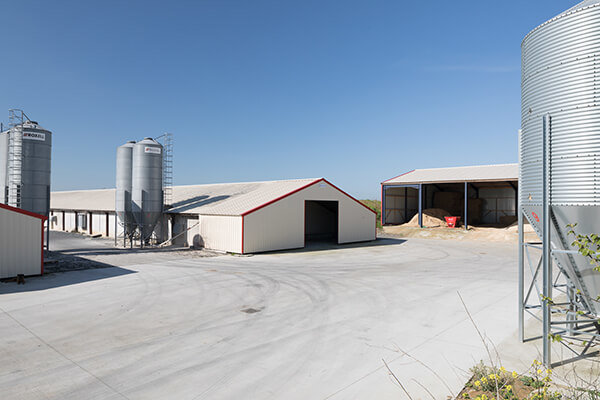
x=353, y=91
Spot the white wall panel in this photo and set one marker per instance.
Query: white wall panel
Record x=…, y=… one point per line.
x=20, y=244
x=221, y=232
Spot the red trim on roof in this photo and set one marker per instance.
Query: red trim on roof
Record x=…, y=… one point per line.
x=398, y=176
x=340, y=190
x=302, y=188
x=24, y=212
x=281, y=197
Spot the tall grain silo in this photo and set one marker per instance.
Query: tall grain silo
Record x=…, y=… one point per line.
x=124, y=186
x=3, y=165
x=28, y=163
x=560, y=145
x=147, y=185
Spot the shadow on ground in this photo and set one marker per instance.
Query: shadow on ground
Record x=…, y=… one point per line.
x=329, y=246
x=94, y=251
x=69, y=270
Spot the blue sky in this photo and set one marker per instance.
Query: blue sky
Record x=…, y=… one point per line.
x=354, y=91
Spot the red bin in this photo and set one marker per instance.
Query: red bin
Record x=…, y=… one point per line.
x=452, y=221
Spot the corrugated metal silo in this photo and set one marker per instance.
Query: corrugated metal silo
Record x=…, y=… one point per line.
x=147, y=185
x=3, y=165
x=123, y=187
x=28, y=167
x=560, y=73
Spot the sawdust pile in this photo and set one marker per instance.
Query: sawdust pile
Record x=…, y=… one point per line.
x=432, y=218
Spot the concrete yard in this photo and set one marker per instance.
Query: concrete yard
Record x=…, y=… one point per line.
x=307, y=324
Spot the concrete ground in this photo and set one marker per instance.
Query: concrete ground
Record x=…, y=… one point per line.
x=306, y=324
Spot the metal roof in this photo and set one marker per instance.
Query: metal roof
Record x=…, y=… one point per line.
x=211, y=199
x=478, y=173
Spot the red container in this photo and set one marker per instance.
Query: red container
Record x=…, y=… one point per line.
x=452, y=221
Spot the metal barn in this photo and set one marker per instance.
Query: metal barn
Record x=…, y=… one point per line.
x=21, y=242
x=240, y=218
x=483, y=194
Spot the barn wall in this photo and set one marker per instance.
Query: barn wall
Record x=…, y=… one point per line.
x=498, y=203
x=20, y=244
x=280, y=225
x=394, y=204
x=221, y=232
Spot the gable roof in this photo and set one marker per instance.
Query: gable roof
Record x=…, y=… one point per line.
x=477, y=173
x=211, y=199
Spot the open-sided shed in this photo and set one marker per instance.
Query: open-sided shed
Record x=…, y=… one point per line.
x=483, y=194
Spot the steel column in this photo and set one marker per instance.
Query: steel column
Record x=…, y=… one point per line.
x=546, y=247
x=405, y=205
x=466, y=221
x=420, y=205
x=383, y=205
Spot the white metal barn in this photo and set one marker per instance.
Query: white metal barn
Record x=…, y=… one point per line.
x=240, y=218
x=21, y=242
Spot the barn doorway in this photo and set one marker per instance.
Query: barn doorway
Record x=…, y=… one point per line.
x=321, y=221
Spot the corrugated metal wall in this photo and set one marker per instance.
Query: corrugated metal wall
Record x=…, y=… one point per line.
x=221, y=232
x=394, y=204
x=280, y=225
x=20, y=244
x=497, y=203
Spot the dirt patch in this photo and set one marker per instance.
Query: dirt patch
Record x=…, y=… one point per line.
x=59, y=262
x=484, y=233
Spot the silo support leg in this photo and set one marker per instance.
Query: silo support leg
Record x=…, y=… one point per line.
x=521, y=279
x=546, y=243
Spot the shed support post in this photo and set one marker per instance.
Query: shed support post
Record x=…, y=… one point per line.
x=466, y=222
x=420, y=205
x=405, y=205
x=383, y=205
x=546, y=247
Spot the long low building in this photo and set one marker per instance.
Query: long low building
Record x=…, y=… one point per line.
x=240, y=218
x=483, y=194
